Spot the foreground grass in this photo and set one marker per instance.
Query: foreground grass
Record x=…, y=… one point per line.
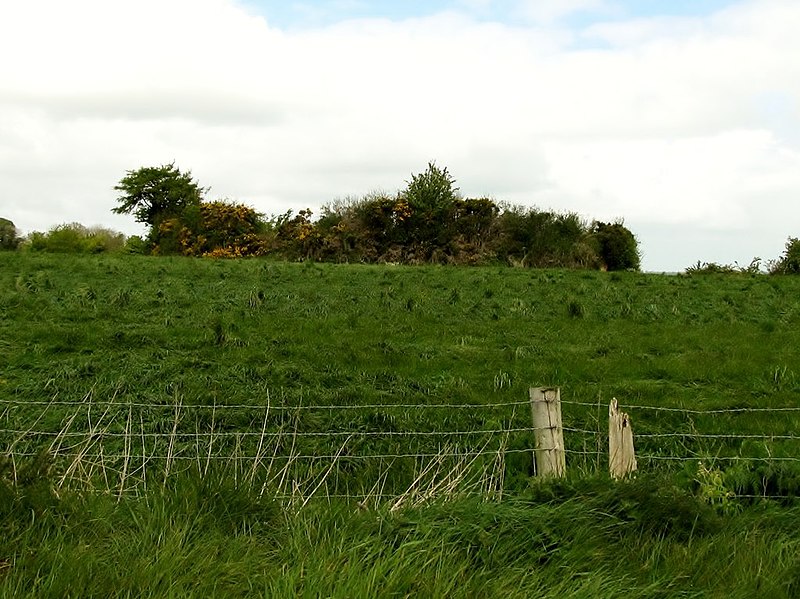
x=167, y=332
x=575, y=538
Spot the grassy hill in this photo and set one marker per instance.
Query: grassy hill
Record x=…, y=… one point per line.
x=182, y=427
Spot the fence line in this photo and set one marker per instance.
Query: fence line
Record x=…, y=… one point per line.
x=125, y=447
x=178, y=444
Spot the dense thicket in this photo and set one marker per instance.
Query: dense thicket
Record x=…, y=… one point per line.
x=427, y=222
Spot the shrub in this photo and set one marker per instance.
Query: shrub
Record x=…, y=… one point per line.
x=428, y=204
x=617, y=246
x=789, y=263
x=9, y=239
x=74, y=238
x=136, y=245
x=713, y=268
x=710, y=268
x=538, y=238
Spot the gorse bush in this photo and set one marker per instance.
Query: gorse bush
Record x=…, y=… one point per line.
x=218, y=229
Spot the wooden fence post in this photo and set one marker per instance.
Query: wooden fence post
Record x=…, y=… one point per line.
x=549, y=452
x=621, y=455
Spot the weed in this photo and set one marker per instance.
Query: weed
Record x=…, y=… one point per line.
x=575, y=309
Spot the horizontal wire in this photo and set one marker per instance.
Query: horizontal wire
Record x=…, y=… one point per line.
x=687, y=434
x=716, y=436
x=265, y=458
x=184, y=406
x=269, y=456
x=367, y=498
x=259, y=407
x=687, y=410
x=714, y=458
x=185, y=435
x=224, y=434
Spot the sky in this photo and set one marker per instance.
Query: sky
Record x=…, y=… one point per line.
x=679, y=117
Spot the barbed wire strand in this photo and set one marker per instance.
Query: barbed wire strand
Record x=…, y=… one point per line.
x=688, y=410
x=300, y=407
x=285, y=433
x=20, y=402
x=716, y=458
x=763, y=437
x=341, y=457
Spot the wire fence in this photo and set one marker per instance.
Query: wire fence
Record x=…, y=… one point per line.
x=361, y=452
x=734, y=439
x=374, y=451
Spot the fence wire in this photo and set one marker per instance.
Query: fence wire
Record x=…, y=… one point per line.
x=113, y=438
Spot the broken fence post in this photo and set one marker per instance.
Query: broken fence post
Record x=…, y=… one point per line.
x=621, y=455
x=549, y=455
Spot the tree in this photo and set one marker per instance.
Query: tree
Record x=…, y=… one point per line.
x=430, y=199
x=617, y=246
x=9, y=240
x=156, y=194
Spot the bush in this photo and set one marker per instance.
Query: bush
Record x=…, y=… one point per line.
x=74, y=238
x=617, y=246
x=9, y=240
x=710, y=268
x=428, y=203
x=789, y=263
x=136, y=245
x=714, y=268
x=533, y=237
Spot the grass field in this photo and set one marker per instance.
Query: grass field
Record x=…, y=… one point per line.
x=183, y=401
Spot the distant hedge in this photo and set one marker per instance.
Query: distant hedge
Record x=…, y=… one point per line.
x=427, y=222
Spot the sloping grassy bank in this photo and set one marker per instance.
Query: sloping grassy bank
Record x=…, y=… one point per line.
x=112, y=348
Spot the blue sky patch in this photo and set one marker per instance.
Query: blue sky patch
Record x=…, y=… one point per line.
x=302, y=14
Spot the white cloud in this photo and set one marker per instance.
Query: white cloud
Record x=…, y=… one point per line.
x=718, y=181
x=689, y=123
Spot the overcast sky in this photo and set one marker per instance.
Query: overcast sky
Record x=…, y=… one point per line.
x=681, y=117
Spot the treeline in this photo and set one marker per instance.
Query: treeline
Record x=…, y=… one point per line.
x=427, y=222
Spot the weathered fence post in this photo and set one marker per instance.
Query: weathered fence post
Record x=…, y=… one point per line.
x=621, y=455
x=549, y=452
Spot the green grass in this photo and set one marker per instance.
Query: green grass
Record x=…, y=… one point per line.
x=112, y=516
